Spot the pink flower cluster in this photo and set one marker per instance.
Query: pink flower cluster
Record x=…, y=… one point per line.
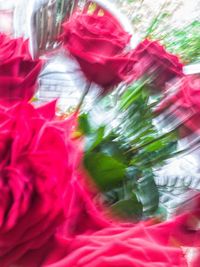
x=102, y=48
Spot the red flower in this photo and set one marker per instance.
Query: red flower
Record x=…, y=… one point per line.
x=139, y=245
x=37, y=162
x=10, y=48
x=152, y=59
x=99, y=44
x=115, y=244
x=18, y=72
x=185, y=103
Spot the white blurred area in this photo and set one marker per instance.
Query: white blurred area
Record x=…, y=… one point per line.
x=142, y=13
x=6, y=15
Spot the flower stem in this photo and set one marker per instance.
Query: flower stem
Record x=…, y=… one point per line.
x=83, y=97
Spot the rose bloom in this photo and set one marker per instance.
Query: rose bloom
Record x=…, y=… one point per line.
x=185, y=104
x=153, y=60
x=38, y=162
x=99, y=242
x=140, y=245
x=18, y=71
x=100, y=45
x=188, y=97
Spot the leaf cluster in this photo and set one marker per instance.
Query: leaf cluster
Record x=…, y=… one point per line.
x=121, y=158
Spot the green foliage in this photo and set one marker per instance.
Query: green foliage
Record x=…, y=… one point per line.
x=84, y=125
x=180, y=40
x=105, y=170
x=184, y=42
x=121, y=159
x=128, y=208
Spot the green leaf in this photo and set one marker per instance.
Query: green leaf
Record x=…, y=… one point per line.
x=106, y=171
x=132, y=174
x=161, y=212
x=128, y=209
x=113, y=149
x=83, y=124
x=94, y=139
x=131, y=94
x=147, y=193
x=155, y=146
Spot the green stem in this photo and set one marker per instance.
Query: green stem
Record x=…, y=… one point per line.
x=156, y=20
x=149, y=143
x=83, y=97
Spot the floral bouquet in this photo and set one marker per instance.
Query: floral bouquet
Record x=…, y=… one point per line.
x=76, y=192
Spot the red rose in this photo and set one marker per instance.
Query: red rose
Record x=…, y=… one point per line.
x=80, y=208
x=139, y=245
x=185, y=104
x=152, y=59
x=10, y=48
x=188, y=98
x=37, y=162
x=81, y=217
x=117, y=244
x=18, y=72
x=99, y=44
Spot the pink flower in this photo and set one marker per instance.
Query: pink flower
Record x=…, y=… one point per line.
x=152, y=59
x=139, y=245
x=186, y=99
x=99, y=44
x=38, y=160
x=10, y=48
x=118, y=244
x=18, y=71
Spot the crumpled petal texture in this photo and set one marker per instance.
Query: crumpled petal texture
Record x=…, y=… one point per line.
x=38, y=162
x=186, y=99
x=137, y=245
x=103, y=51
x=153, y=59
x=18, y=71
x=100, y=46
x=147, y=243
